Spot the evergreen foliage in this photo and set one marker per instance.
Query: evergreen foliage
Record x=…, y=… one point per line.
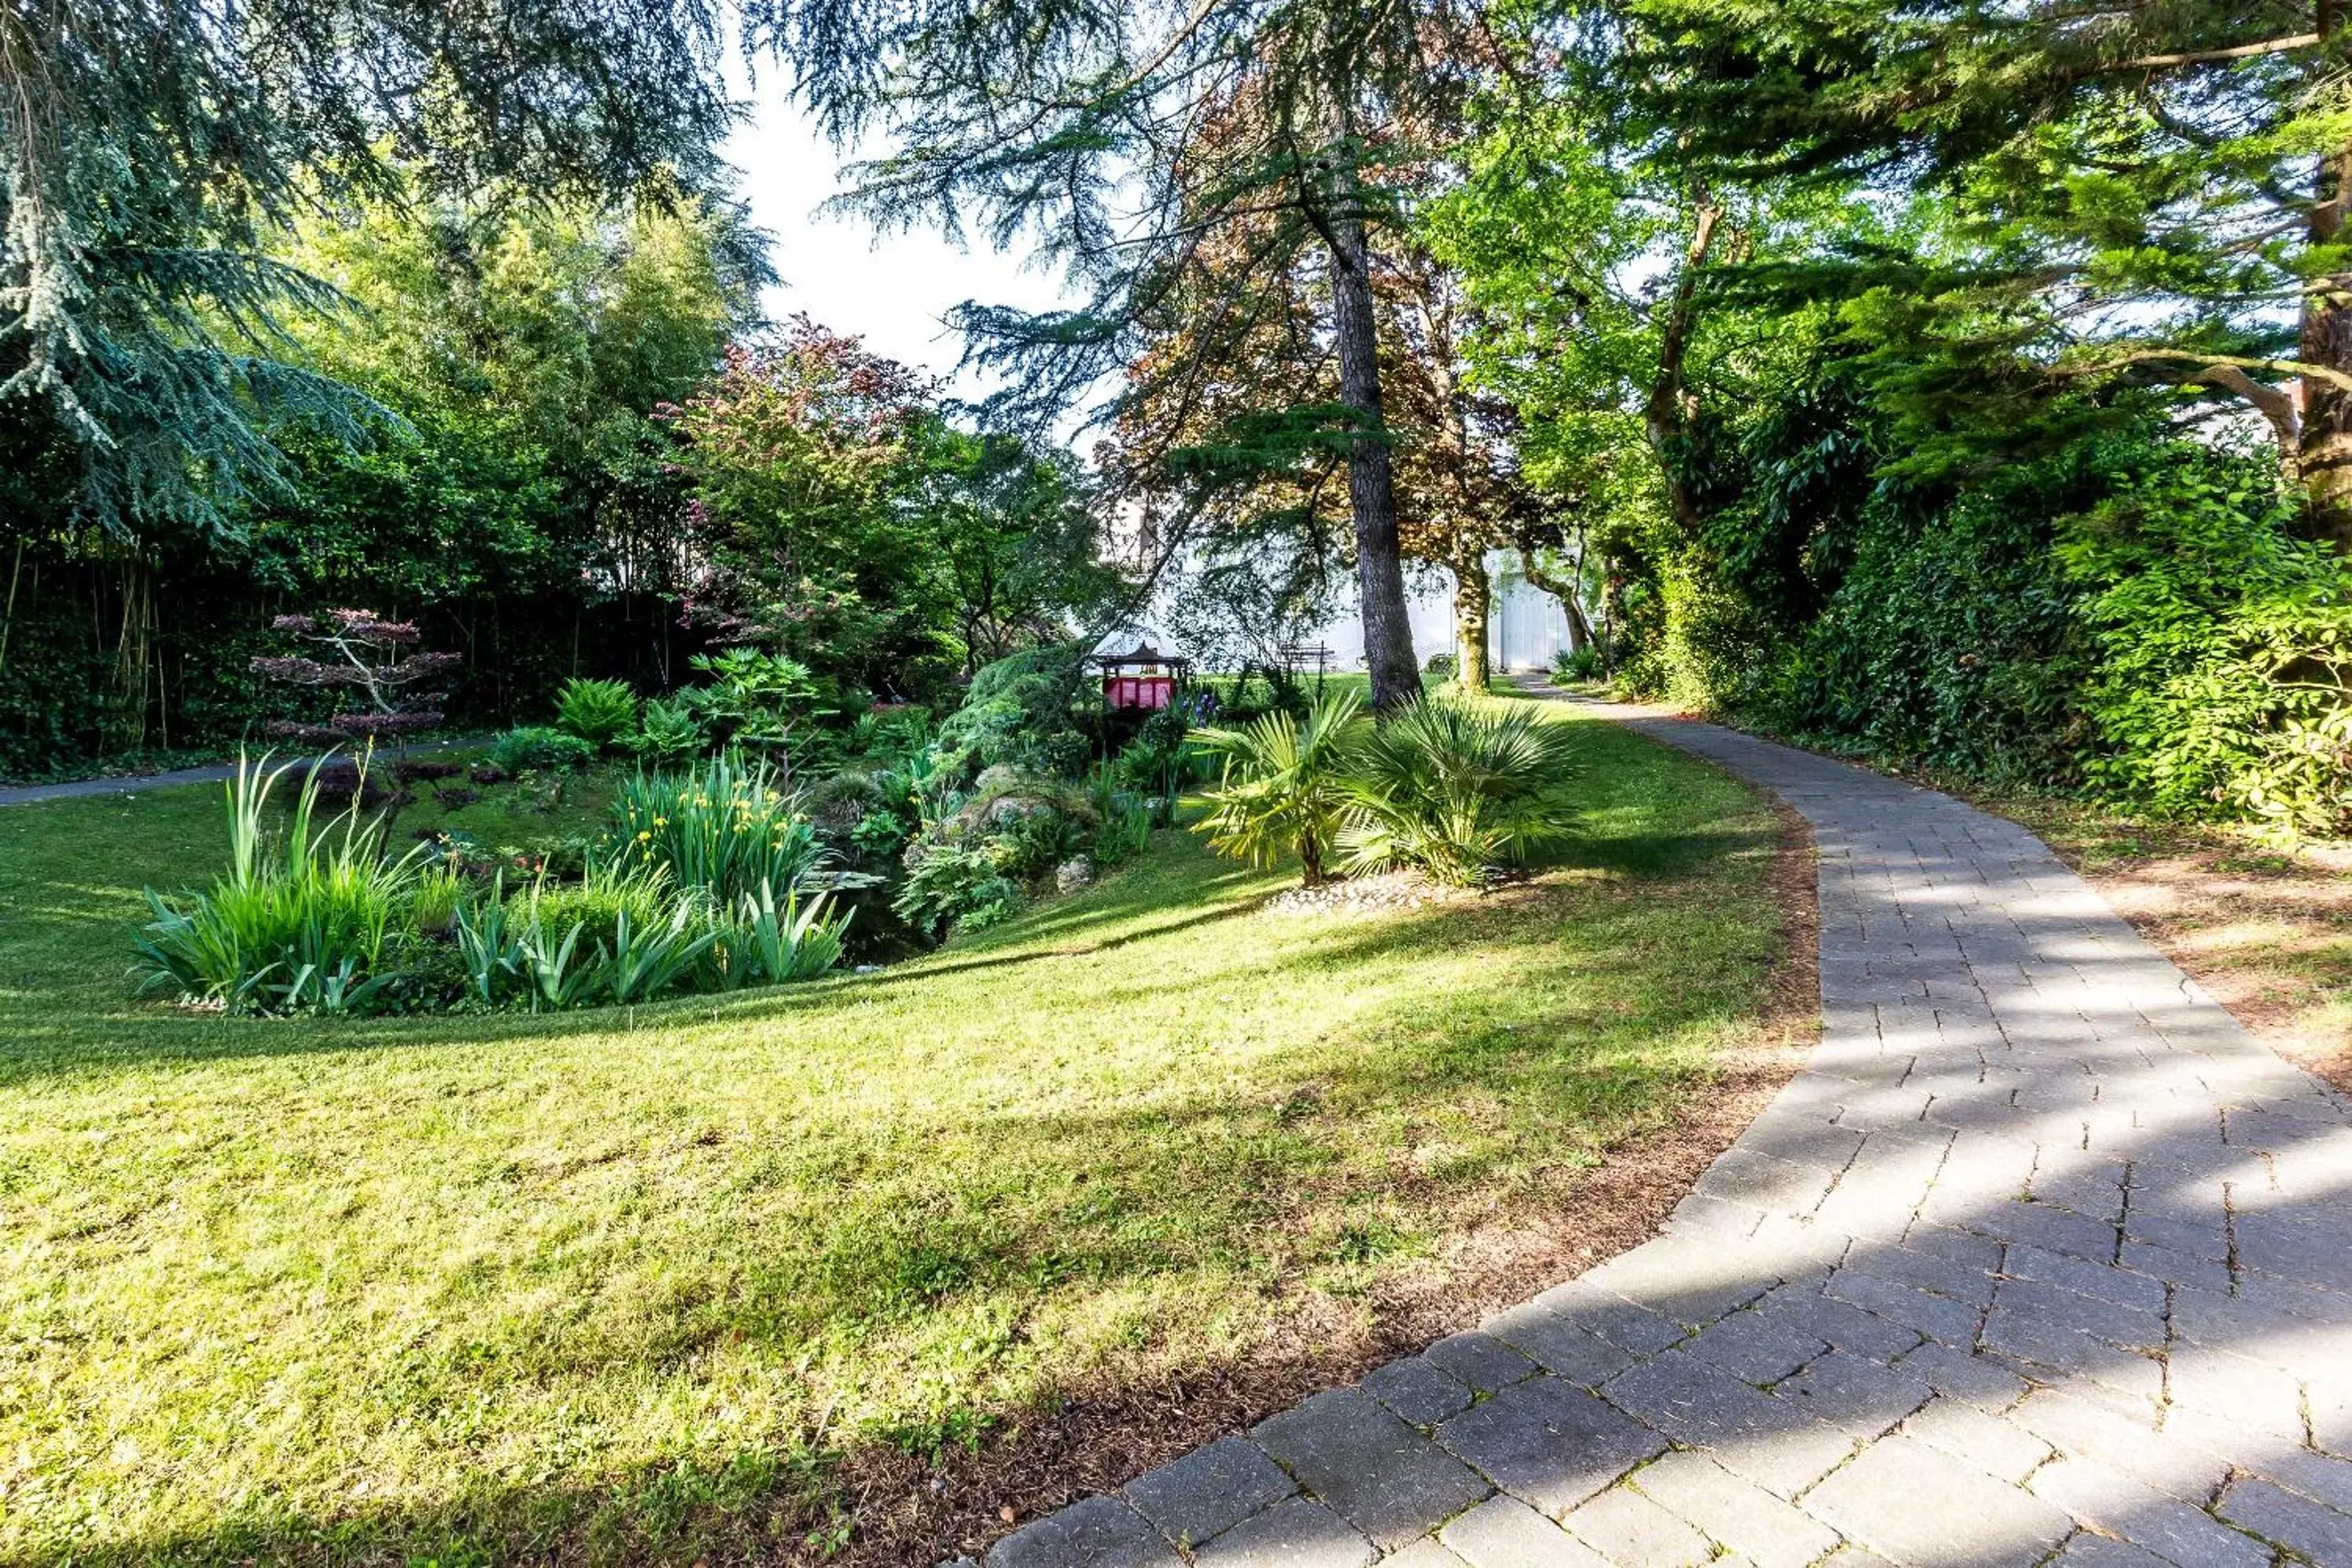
x=158, y=152
x=1169, y=160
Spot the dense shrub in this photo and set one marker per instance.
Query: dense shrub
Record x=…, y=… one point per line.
x=957, y=886
x=1022, y=712
x=1953, y=643
x=2224, y=647
x=541, y=748
x=1579, y=666
x=602, y=712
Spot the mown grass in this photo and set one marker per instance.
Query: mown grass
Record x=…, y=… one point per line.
x=609, y=1286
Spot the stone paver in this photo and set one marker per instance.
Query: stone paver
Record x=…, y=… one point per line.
x=1381, y=1475
x=2040, y=1258
x=1209, y=1491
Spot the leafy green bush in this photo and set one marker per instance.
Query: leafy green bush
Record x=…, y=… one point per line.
x=646, y=959
x=2225, y=646
x=541, y=749
x=439, y=889
x=602, y=712
x=319, y=917
x=299, y=921
x=1442, y=666
x=1573, y=668
x=1124, y=820
x=955, y=886
x=724, y=829
x=1021, y=713
x=669, y=732
x=1283, y=788
x=1454, y=786
x=752, y=698
x=617, y=889
x=1030, y=844
x=1161, y=760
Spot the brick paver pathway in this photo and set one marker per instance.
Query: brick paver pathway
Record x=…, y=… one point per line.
x=2041, y=1258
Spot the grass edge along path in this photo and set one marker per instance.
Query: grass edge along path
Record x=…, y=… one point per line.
x=852, y=1274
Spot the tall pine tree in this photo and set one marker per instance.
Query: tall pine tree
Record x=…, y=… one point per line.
x=154, y=150
x=1129, y=140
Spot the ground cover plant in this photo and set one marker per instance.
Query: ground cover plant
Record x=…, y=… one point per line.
x=673, y=1282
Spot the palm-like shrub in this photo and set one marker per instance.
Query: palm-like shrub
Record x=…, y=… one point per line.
x=1454, y=786
x=602, y=712
x=1284, y=788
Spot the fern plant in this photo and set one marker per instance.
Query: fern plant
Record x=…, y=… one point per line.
x=602, y=712
x=1284, y=789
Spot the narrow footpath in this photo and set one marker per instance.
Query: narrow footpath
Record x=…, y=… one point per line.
x=210, y=773
x=2041, y=1258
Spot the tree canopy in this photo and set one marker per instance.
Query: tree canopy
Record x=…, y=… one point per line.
x=157, y=151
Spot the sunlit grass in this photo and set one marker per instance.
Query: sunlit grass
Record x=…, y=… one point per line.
x=326, y=1291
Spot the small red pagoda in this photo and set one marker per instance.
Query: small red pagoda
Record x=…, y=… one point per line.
x=1143, y=677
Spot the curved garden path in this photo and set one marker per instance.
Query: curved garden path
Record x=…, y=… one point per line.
x=210, y=773
x=2040, y=1258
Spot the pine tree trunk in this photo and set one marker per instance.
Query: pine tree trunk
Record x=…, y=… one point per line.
x=1379, y=563
x=2324, y=458
x=1473, y=591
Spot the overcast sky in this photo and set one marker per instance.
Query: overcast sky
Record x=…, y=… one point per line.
x=892, y=290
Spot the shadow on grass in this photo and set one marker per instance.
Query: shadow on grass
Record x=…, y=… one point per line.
x=1259, y=1163
x=1577, y=1025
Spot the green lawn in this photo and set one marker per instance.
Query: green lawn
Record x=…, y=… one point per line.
x=632, y=1285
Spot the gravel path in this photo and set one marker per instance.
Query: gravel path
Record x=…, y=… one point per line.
x=217, y=772
x=2041, y=1258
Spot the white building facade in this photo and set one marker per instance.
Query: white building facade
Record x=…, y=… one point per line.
x=1527, y=628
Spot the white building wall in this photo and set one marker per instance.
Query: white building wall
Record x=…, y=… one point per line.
x=1527, y=628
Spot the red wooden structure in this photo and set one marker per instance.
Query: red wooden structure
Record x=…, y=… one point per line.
x=1143, y=677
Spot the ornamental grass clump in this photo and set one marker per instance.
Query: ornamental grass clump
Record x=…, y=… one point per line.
x=724, y=829
x=1455, y=787
x=301, y=918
